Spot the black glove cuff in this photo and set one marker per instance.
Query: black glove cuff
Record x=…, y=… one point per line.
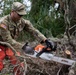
x=51, y=44
x=48, y=44
x=46, y=41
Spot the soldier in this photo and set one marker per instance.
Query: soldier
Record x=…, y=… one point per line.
x=11, y=25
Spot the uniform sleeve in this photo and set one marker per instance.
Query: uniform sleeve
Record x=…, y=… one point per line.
x=36, y=33
x=5, y=34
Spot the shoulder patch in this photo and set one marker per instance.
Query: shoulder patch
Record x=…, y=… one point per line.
x=3, y=26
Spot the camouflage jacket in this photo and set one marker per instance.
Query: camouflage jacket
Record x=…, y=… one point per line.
x=11, y=29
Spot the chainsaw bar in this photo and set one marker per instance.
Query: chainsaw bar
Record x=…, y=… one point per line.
x=51, y=57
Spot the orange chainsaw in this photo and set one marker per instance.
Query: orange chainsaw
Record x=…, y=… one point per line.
x=45, y=53
x=39, y=49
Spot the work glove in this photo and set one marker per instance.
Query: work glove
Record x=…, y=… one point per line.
x=51, y=44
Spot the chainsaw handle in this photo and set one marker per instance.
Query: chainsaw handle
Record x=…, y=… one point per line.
x=42, y=51
x=50, y=44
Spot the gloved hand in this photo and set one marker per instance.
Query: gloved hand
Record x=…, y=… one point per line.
x=51, y=44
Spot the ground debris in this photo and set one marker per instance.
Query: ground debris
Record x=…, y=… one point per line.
x=37, y=66
x=41, y=67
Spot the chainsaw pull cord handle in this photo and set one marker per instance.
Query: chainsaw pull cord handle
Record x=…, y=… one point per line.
x=42, y=51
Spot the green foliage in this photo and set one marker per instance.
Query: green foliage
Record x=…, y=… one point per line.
x=7, y=6
x=58, y=27
x=25, y=36
x=47, y=22
x=39, y=6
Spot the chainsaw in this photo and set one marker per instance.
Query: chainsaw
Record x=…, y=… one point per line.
x=46, y=55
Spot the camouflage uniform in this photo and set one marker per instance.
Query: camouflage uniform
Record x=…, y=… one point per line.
x=11, y=30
